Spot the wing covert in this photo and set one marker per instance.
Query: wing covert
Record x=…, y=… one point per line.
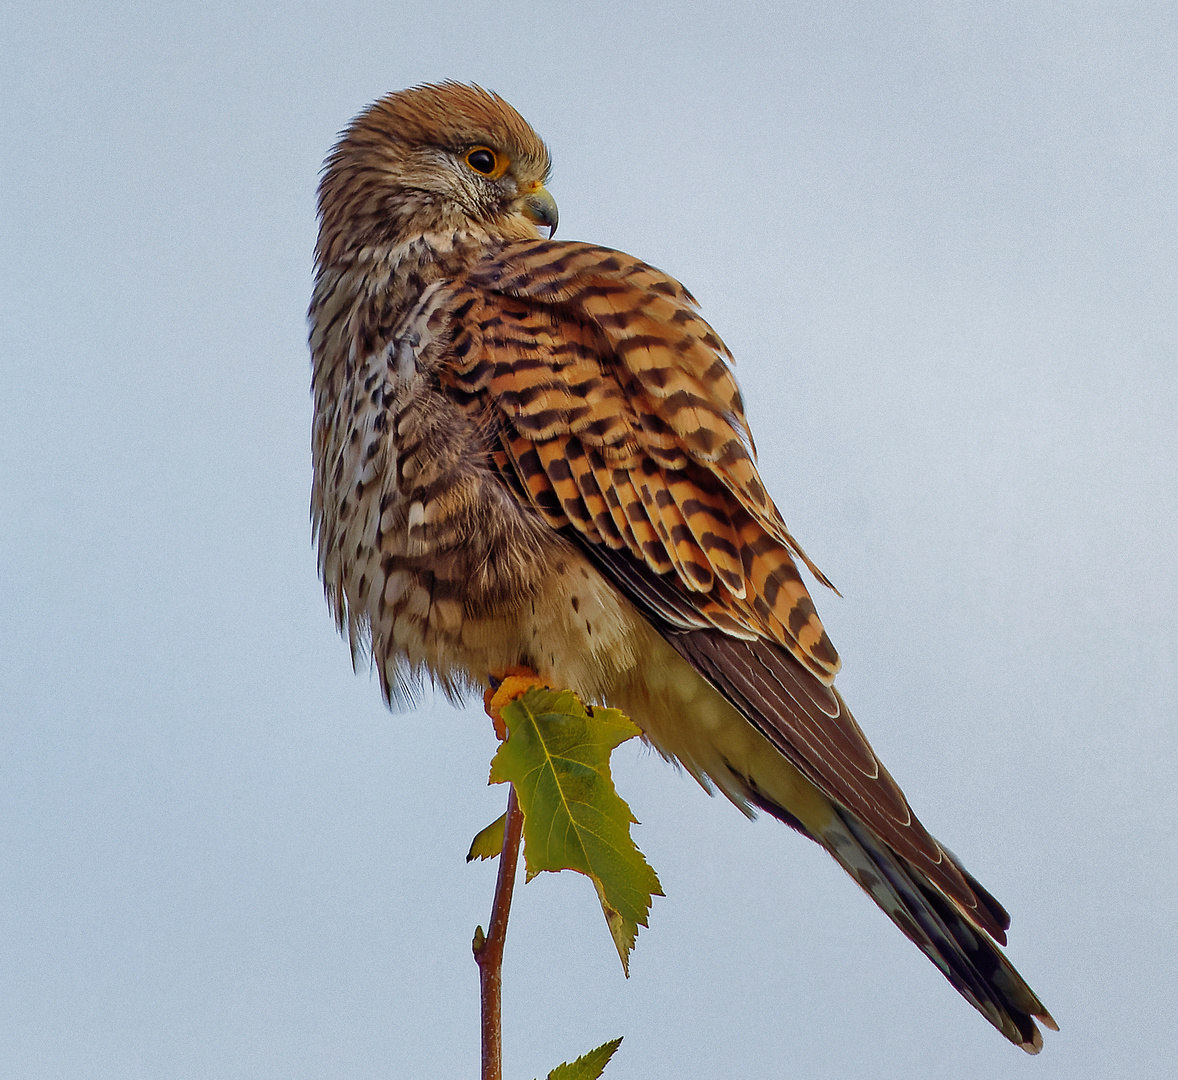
x=620, y=415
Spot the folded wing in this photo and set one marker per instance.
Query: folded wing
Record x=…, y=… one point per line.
x=617, y=418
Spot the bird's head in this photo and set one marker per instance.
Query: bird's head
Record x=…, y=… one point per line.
x=438, y=158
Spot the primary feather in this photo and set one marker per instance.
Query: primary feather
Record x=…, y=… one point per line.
x=534, y=452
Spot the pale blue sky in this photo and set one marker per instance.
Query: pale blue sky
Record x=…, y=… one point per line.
x=940, y=239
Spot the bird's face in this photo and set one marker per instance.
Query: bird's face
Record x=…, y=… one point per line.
x=434, y=159
x=486, y=183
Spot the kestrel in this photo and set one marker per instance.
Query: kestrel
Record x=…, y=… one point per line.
x=534, y=452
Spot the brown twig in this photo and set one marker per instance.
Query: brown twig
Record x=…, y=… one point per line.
x=488, y=949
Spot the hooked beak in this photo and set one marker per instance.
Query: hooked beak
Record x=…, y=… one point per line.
x=540, y=207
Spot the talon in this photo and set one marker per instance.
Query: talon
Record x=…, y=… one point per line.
x=504, y=689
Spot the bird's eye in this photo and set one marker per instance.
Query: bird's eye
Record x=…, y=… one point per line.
x=484, y=160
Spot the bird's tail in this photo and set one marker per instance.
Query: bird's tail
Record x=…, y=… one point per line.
x=965, y=954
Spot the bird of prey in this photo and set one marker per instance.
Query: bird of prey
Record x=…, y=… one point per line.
x=532, y=452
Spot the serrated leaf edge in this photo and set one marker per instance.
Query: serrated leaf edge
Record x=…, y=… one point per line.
x=488, y=843
x=568, y=1070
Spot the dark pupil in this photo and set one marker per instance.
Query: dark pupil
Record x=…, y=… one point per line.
x=482, y=160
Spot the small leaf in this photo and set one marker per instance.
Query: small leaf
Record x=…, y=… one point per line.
x=489, y=843
x=588, y=1066
x=557, y=756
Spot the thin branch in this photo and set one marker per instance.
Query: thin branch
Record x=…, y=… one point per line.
x=488, y=949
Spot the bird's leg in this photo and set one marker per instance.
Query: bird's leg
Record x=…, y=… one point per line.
x=504, y=689
x=488, y=948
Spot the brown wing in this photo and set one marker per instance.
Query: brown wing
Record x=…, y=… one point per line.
x=812, y=727
x=621, y=422
x=624, y=420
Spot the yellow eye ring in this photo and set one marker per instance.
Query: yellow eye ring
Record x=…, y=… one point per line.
x=486, y=162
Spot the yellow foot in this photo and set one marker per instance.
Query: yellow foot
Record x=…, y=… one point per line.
x=504, y=689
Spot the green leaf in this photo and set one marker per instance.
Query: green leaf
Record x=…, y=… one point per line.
x=588, y=1066
x=489, y=843
x=557, y=756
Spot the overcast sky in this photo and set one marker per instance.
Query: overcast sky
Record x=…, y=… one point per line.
x=940, y=239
